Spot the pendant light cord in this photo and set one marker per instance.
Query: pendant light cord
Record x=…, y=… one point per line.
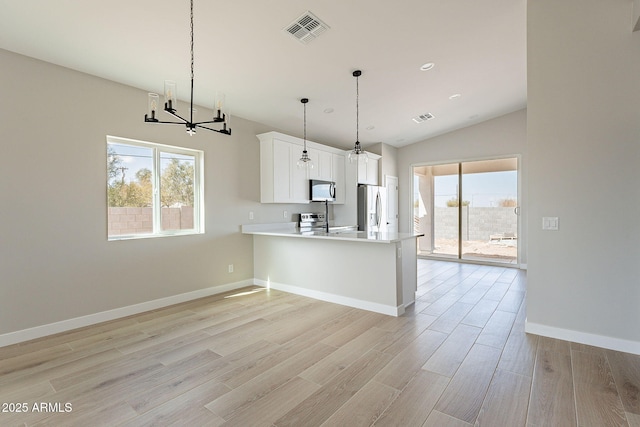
x=305, y=126
x=191, y=107
x=356, y=149
x=357, y=111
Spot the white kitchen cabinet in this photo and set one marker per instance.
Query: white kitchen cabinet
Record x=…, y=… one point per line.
x=322, y=164
x=338, y=172
x=368, y=170
x=281, y=170
x=299, y=181
x=281, y=181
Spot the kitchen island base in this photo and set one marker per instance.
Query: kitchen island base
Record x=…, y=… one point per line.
x=370, y=275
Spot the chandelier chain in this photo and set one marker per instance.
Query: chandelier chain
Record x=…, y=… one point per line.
x=192, y=40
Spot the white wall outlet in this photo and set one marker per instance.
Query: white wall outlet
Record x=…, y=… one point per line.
x=251, y=215
x=285, y=214
x=230, y=268
x=550, y=223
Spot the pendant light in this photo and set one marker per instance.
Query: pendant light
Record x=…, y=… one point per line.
x=305, y=160
x=171, y=103
x=357, y=153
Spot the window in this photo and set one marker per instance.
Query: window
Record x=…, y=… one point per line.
x=152, y=190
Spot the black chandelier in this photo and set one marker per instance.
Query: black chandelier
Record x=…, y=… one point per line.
x=171, y=101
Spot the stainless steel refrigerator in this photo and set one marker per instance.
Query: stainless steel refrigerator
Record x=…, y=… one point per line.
x=372, y=208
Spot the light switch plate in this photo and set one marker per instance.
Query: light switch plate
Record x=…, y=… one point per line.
x=550, y=223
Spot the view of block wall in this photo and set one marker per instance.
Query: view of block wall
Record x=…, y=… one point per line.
x=477, y=223
x=140, y=220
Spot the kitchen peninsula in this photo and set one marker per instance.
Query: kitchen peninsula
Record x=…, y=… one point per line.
x=367, y=270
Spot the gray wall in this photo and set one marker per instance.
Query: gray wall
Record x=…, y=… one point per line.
x=56, y=262
x=584, y=151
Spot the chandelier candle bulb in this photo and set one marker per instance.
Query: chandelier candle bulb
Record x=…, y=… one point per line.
x=170, y=95
x=226, y=126
x=219, y=107
x=154, y=99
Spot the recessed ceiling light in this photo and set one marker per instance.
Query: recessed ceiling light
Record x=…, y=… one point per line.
x=328, y=110
x=371, y=127
x=455, y=96
x=427, y=66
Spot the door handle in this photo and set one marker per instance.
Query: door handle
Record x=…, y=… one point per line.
x=378, y=209
x=516, y=210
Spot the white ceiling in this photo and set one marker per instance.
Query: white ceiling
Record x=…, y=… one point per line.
x=241, y=48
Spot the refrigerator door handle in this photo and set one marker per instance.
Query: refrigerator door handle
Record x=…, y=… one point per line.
x=378, y=210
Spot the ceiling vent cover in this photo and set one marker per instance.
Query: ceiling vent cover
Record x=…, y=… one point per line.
x=423, y=117
x=306, y=28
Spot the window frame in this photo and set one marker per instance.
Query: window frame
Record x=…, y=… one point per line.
x=198, y=189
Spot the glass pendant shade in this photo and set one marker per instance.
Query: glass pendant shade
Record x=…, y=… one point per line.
x=305, y=161
x=358, y=154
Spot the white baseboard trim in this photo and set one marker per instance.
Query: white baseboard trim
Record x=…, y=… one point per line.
x=336, y=299
x=611, y=343
x=104, y=316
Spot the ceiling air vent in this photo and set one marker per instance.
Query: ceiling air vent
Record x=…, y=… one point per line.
x=306, y=28
x=423, y=117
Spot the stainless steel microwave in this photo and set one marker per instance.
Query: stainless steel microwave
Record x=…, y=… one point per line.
x=321, y=191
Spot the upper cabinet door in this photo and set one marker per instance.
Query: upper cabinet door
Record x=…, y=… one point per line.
x=325, y=166
x=338, y=173
x=372, y=172
x=321, y=164
x=367, y=170
x=314, y=155
x=281, y=171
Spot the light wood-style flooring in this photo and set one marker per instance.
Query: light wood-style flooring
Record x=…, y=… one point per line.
x=460, y=357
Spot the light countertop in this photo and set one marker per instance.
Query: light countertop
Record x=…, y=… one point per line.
x=290, y=229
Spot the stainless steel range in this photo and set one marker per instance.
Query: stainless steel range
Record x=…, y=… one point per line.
x=311, y=221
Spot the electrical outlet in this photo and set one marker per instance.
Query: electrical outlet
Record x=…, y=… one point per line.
x=251, y=215
x=550, y=223
x=230, y=268
x=285, y=214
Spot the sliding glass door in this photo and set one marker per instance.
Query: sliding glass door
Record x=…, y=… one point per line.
x=468, y=210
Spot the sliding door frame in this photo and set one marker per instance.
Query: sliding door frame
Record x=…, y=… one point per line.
x=520, y=203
